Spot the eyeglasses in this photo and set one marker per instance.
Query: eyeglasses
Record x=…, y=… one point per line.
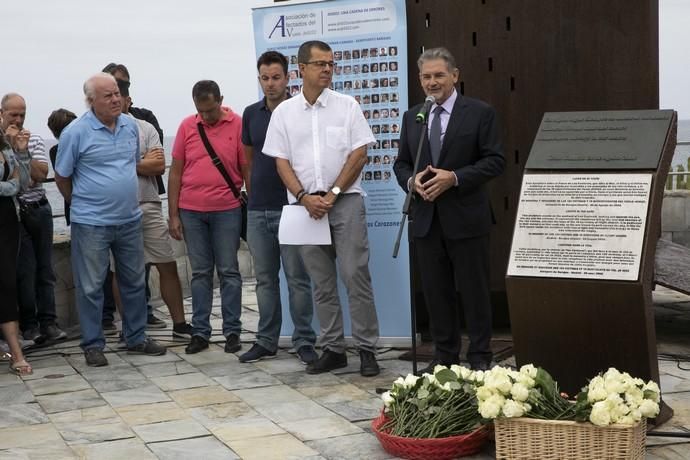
x=322, y=64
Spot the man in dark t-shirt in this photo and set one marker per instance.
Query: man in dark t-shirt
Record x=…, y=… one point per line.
x=267, y=196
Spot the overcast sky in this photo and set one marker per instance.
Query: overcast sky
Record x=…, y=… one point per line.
x=51, y=47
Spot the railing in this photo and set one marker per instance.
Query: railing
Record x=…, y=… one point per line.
x=676, y=179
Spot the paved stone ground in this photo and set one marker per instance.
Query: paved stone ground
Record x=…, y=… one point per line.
x=210, y=406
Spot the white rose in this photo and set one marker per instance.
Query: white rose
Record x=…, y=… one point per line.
x=410, y=380
x=654, y=388
x=399, y=381
x=636, y=414
x=634, y=396
x=600, y=414
x=626, y=420
x=596, y=394
x=526, y=380
x=387, y=399
x=519, y=392
x=478, y=376
x=614, y=384
x=484, y=393
x=529, y=370
x=439, y=367
x=513, y=409
x=649, y=408
x=490, y=408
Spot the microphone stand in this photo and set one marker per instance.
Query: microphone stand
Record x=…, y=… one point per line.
x=405, y=217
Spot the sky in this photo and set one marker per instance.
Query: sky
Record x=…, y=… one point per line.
x=51, y=47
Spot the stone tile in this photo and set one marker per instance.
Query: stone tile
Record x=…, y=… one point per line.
x=22, y=414
x=7, y=379
x=293, y=411
x=142, y=395
x=673, y=384
x=243, y=428
x=301, y=379
x=115, y=450
x=48, y=361
x=680, y=402
x=47, y=386
x=219, y=414
x=90, y=414
x=49, y=451
x=89, y=432
x=229, y=368
x=320, y=428
x=77, y=361
x=70, y=401
x=675, y=452
x=362, y=446
x=268, y=396
x=276, y=447
x=16, y=393
x=28, y=436
x=357, y=409
x=180, y=382
x=169, y=431
x=247, y=380
x=280, y=365
x=51, y=371
x=207, y=447
x=143, y=360
x=384, y=380
x=142, y=414
x=205, y=396
x=334, y=393
x=165, y=369
x=214, y=355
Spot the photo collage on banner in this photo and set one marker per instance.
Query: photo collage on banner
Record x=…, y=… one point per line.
x=369, y=42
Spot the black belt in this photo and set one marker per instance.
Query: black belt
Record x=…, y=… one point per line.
x=319, y=193
x=34, y=204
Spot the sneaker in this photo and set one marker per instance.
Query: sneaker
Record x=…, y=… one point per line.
x=33, y=334
x=256, y=353
x=328, y=361
x=147, y=347
x=182, y=330
x=155, y=323
x=368, y=366
x=232, y=344
x=197, y=344
x=307, y=354
x=109, y=328
x=95, y=357
x=53, y=332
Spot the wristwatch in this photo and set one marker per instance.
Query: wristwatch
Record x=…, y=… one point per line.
x=335, y=191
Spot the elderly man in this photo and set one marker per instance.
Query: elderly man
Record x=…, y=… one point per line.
x=319, y=140
x=35, y=276
x=96, y=172
x=452, y=212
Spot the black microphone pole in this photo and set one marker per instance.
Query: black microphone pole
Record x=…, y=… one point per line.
x=423, y=119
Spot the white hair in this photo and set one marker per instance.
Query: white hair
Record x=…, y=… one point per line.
x=90, y=86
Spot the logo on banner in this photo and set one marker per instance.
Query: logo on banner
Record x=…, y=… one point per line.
x=291, y=26
x=280, y=26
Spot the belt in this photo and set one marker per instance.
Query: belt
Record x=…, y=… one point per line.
x=35, y=204
x=319, y=193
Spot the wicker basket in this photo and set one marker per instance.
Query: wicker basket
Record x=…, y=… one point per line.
x=529, y=439
x=430, y=448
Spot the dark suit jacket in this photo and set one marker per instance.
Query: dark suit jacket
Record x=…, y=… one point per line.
x=472, y=149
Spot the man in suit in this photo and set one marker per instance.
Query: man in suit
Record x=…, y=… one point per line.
x=451, y=212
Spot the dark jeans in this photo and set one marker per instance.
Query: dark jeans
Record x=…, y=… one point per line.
x=109, y=298
x=35, y=276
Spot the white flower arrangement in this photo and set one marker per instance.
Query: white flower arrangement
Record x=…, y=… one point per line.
x=617, y=398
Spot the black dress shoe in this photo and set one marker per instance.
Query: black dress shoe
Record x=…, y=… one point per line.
x=368, y=366
x=429, y=369
x=232, y=344
x=480, y=366
x=197, y=344
x=328, y=361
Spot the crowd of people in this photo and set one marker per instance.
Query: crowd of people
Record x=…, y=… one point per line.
x=308, y=149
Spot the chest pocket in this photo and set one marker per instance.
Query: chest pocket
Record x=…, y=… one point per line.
x=336, y=138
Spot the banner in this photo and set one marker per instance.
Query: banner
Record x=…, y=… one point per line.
x=369, y=42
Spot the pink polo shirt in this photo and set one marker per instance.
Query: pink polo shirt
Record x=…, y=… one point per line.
x=203, y=188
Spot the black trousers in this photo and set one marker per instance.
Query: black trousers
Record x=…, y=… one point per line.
x=9, y=245
x=450, y=267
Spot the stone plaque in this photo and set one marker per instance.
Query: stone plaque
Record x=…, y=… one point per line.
x=580, y=226
x=631, y=139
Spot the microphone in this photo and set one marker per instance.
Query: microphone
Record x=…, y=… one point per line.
x=424, y=111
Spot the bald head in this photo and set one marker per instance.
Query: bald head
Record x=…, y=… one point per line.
x=12, y=110
x=103, y=97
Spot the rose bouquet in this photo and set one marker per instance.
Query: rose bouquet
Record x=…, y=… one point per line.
x=435, y=405
x=617, y=398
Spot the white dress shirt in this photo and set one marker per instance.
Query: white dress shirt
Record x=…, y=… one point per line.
x=317, y=139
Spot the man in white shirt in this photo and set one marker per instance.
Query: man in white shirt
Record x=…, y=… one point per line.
x=319, y=139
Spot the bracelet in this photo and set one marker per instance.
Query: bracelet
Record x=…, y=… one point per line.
x=300, y=195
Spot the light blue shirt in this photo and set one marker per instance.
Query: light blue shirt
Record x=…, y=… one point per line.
x=102, y=165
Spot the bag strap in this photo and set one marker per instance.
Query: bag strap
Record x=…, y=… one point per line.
x=218, y=163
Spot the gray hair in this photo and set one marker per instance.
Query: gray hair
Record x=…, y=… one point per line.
x=6, y=98
x=437, y=53
x=90, y=86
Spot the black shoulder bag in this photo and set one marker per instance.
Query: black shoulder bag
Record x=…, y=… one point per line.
x=242, y=196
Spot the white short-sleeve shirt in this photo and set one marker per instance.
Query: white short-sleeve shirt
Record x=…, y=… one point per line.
x=317, y=139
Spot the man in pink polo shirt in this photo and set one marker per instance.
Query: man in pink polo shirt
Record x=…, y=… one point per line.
x=206, y=212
